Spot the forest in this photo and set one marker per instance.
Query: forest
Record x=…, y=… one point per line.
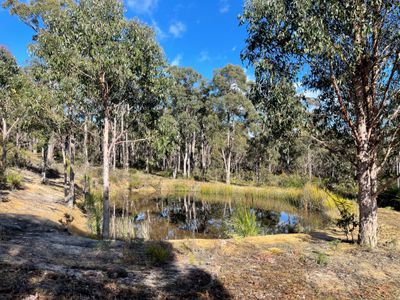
x=120, y=151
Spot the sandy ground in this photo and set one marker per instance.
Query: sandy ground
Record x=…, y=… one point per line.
x=39, y=259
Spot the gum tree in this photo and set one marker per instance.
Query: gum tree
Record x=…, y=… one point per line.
x=349, y=51
x=115, y=59
x=234, y=110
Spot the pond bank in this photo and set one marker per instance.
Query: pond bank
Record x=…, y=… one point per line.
x=38, y=258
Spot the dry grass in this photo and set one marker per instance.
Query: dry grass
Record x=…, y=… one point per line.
x=42, y=202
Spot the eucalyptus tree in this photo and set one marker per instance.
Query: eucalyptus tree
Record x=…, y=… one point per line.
x=185, y=103
x=20, y=103
x=115, y=59
x=349, y=51
x=234, y=109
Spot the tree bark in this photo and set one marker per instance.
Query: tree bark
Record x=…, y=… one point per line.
x=65, y=166
x=106, y=161
x=50, y=149
x=71, y=196
x=85, y=142
x=44, y=164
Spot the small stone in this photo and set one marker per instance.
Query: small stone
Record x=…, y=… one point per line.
x=116, y=273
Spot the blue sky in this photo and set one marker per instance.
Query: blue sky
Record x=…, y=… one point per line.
x=203, y=34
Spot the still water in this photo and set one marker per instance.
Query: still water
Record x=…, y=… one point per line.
x=189, y=216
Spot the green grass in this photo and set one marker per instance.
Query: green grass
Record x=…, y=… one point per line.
x=158, y=254
x=244, y=222
x=14, y=180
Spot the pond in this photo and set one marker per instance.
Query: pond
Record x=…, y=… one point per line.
x=191, y=216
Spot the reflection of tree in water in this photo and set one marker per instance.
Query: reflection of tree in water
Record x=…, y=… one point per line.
x=187, y=216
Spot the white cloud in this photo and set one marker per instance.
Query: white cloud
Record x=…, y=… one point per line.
x=142, y=6
x=160, y=33
x=303, y=91
x=224, y=6
x=204, y=56
x=177, y=60
x=233, y=48
x=177, y=29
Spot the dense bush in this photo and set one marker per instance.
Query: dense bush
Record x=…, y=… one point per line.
x=14, y=180
x=390, y=197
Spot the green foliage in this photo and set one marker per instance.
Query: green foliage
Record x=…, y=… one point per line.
x=321, y=258
x=93, y=206
x=347, y=221
x=390, y=198
x=159, y=254
x=14, y=180
x=135, y=182
x=244, y=222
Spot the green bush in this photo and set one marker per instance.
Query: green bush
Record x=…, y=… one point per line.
x=347, y=221
x=244, y=222
x=390, y=197
x=14, y=180
x=158, y=253
x=321, y=259
x=93, y=207
x=135, y=183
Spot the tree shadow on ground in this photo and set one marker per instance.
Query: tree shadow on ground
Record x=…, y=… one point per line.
x=38, y=257
x=50, y=172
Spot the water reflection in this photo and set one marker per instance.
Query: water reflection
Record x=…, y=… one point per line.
x=178, y=217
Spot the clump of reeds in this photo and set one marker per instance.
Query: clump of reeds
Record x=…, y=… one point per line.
x=244, y=222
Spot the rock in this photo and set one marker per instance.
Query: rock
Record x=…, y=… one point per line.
x=116, y=273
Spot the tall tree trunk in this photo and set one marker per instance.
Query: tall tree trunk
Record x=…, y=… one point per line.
x=71, y=152
x=367, y=199
x=3, y=160
x=185, y=158
x=114, y=150
x=64, y=148
x=50, y=149
x=106, y=157
x=44, y=164
x=85, y=142
x=106, y=164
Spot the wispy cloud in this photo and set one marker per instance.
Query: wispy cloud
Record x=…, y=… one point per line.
x=233, y=48
x=142, y=6
x=204, y=56
x=177, y=29
x=303, y=91
x=177, y=60
x=224, y=6
x=159, y=32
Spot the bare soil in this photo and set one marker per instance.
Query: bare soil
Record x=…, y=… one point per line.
x=40, y=259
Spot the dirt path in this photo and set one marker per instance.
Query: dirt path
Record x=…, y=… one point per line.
x=41, y=260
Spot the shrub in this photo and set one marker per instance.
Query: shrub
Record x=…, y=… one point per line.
x=93, y=206
x=66, y=220
x=158, y=254
x=390, y=197
x=321, y=259
x=14, y=180
x=135, y=183
x=244, y=222
x=347, y=221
